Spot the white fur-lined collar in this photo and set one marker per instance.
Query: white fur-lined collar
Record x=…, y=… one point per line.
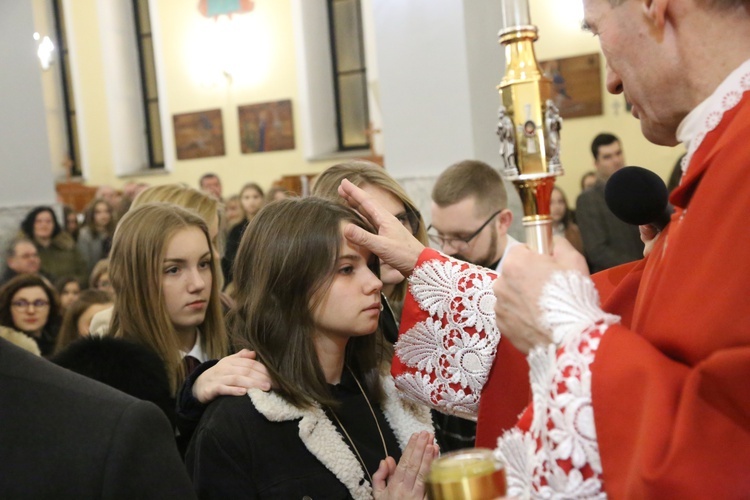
x=321, y=438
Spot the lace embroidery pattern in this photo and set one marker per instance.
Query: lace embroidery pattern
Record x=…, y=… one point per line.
x=729, y=100
x=452, y=351
x=557, y=456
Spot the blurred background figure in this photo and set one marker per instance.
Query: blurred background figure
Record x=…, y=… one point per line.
x=77, y=317
x=251, y=200
x=28, y=304
x=99, y=279
x=56, y=248
x=21, y=258
x=95, y=238
x=109, y=194
x=277, y=193
x=233, y=211
x=211, y=184
x=68, y=290
x=588, y=180
x=72, y=226
x=562, y=218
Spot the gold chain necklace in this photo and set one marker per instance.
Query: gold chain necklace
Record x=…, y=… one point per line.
x=348, y=437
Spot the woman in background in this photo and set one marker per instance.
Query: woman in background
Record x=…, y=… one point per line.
x=68, y=290
x=72, y=227
x=233, y=211
x=562, y=219
x=28, y=304
x=95, y=238
x=309, y=303
x=99, y=279
x=56, y=248
x=251, y=199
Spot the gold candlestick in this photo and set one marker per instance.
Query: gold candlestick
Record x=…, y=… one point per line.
x=528, y=126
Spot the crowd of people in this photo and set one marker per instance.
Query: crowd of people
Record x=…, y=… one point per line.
x=298, y=360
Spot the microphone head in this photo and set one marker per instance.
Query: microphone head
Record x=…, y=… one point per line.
x=636, y=195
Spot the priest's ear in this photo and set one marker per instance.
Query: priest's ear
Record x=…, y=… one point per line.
x=655, y=11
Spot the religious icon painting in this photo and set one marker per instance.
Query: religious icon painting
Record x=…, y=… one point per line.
x=266, y=127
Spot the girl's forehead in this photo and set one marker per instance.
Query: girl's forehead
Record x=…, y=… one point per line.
x=347, y=248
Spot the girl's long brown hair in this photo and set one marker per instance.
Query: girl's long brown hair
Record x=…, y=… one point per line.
x=286, y=259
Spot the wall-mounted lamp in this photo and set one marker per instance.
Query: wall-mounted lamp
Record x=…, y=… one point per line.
x=45, y=51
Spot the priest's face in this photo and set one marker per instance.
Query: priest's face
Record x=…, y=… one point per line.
x=643, y=63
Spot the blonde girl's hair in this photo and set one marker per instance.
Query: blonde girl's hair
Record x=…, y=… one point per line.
x=360, y=173
x=136, y=272
x=185, y=196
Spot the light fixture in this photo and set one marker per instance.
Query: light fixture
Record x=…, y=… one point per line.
x=45, y=51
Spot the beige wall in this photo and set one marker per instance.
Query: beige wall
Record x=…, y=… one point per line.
x=188, y=84
x=191, y=83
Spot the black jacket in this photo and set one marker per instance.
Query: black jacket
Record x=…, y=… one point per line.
x=66, y=436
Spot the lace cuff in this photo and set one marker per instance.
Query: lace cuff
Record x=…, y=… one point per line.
x=449, y=352
x=555, y=453
x=569, y=304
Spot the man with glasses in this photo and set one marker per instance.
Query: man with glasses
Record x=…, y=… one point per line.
x=470, y=221
x=21, y=258
x=470, y=215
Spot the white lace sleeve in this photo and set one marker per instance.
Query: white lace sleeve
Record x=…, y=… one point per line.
x=450, y=352
x=557, y=455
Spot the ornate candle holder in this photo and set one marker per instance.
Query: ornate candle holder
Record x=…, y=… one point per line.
x=528, y=125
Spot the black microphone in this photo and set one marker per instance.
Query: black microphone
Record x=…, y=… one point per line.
x=638, y=196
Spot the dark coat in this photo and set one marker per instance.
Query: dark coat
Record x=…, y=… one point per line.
x=261, y=446
x=607, y=240
x=131, y=368
x=66, y=436
x=62, y=258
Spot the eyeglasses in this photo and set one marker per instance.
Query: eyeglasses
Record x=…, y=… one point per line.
x=27, y=256
x=24, y=304
x=410, y=219
x=457, y=242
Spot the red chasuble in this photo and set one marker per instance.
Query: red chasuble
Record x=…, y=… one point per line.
x=671, y=394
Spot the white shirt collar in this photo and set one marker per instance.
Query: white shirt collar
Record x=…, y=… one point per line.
x=511, y=242
x=708, y=114
x=197, y=350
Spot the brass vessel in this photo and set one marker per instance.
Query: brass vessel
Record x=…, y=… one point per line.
x=471, y=474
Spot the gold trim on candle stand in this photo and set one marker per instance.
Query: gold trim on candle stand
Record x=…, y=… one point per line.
x=528, y=127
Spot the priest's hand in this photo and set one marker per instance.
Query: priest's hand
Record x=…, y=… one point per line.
x=407, y=479
x=394, y=244
x=649, y=235
x=519, y=288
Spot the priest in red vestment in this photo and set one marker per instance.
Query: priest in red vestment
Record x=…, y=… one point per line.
x=640, y=376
